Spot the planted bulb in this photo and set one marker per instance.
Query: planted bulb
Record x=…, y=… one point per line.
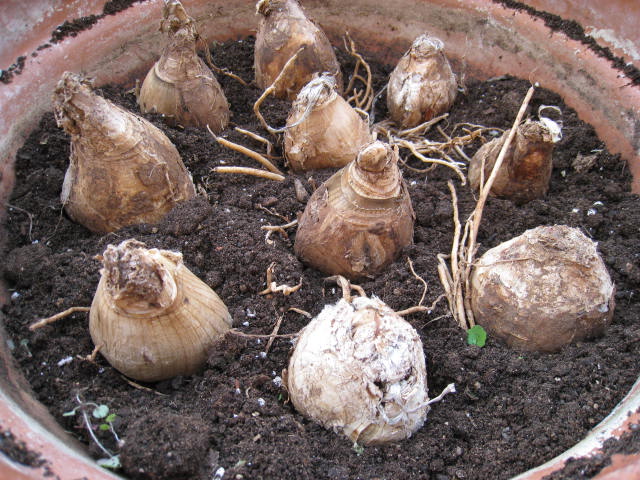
x=422, y=85
x=323, y=130
x=123, y=170
x=542, y=290
x=180, y=85
x=282, y=31
x=360, y=219
x=525, y=171
x=152, y=318
x=358, y=368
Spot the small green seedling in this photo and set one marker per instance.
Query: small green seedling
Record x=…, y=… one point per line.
x=359, y=449
x=99, y=412
x=476, y=335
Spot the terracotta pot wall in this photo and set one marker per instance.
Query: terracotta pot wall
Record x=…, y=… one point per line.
x=483, y=38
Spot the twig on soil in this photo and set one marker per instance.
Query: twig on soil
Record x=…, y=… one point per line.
x=419, y=278
x=272, y=212
x=141, y=387
x=275, y=330
x=300, y=311
x=420, y=308
x=54, y=318
x=256, y=172
x=277, y=228
x=238, y=333
x=361, y=100
x=455, y=278
x=346, y=286
x=212, y=66
x=259, y=138
x=272, y=287
x=246, y=151
x=272, y=88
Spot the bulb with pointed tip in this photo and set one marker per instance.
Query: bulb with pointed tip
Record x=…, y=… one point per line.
x=422, y=85
x=123, y=170
x=180, y=85
x=323, y=130
x=282, y=30
x=359, y=220
x=526, y=168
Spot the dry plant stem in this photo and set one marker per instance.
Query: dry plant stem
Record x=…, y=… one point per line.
x=141, y=387
x=423, y=127
x=421, y=308
x=273, y=287
x=272, y=88
x=456, y=280
x=250, y=171
x=271, y=212
x=476, y=216
x=246, y=151
x=447, y=163
x=57, y=316
x=455, y=146
x=257, y=137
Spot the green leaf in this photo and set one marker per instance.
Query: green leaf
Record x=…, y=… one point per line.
x=359, y=449
x=101, y=411
x=476, y=335
x=110, y=418
x=104, y=426
x=113, y=462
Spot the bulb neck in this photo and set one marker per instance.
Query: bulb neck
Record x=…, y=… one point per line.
x=375, y=173
x=141, y=282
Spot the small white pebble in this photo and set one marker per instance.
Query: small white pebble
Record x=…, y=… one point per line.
x=413, y=182
x=563, y=173
x=277, y=381
x=261, y=402
x=65, y=360
x=15, y=296
x=575, y=210
x=245, y=324
x=262, y=354
x=250, y=313
x=591, y=211
x=598, y=204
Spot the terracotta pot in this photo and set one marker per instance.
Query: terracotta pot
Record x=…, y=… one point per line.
x=483, y=38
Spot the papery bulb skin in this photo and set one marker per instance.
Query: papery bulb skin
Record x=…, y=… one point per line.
x=123, y=170
x=324, y=131
x=360, y=219
x=422, y=85
x=543, y=290
x=180, y=85
x=525, y=171
x=282, y=30
x=359, y=369
x=152, y=318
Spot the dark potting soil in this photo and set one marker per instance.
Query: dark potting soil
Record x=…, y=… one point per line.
x=512, y=411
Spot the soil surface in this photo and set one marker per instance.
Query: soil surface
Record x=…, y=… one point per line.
x=512, y=411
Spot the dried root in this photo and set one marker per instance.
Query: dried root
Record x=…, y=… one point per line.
x=455, y=275
x=273, y=287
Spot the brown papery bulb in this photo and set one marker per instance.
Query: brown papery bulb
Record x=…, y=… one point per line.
x=422, y=85
x=123, y=170
x=152, y=318
x=359, y=369
x=282, y=30
x=323, y=130
x=542, y=290
x=526, y=168
x=360, y=219
x=180, y=85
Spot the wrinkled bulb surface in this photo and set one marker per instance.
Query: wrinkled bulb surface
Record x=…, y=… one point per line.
x=359, y=368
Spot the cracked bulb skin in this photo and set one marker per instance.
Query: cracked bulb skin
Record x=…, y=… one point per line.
x=123, y=170
x=151, y=317
x=422, y=85
x=525, y=171
x=324, y=130
x=360, y=219
x=543, y=290
x=359, y=369
x=284, y=28
x=180, y=85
